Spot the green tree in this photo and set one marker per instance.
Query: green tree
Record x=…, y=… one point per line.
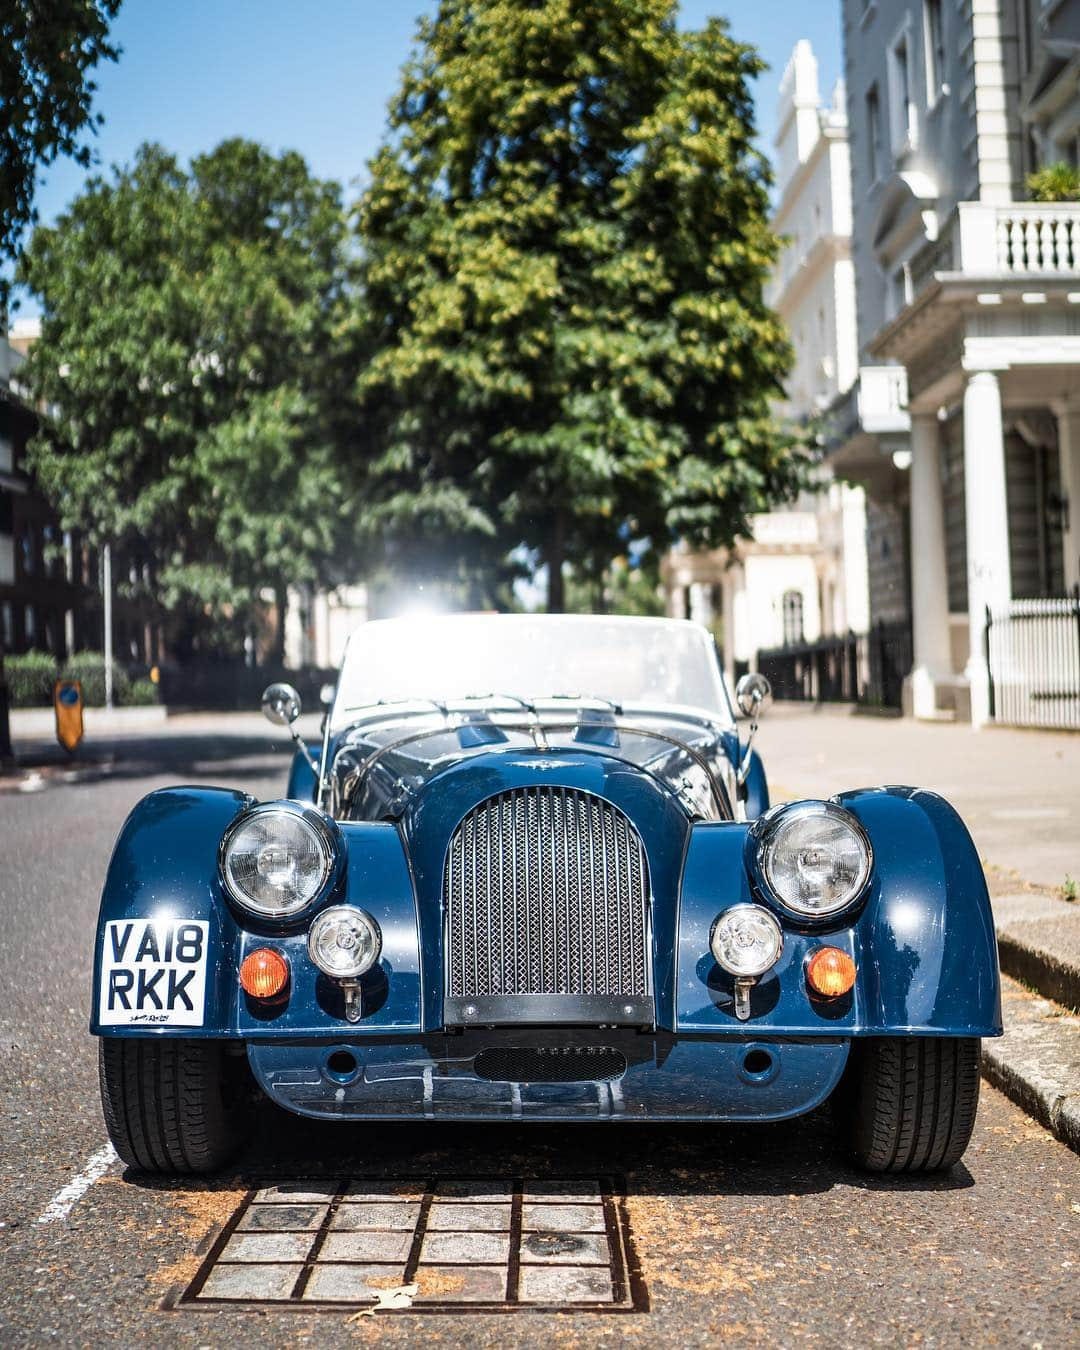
x=46, y=96
x=46, y=52
x=565, y=241
x=197, y=387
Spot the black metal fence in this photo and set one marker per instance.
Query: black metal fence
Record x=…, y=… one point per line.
x=1033, y=662
x=227, y=687
x=865, y=668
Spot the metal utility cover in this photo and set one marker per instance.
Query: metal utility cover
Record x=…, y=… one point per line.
x=468, y=1244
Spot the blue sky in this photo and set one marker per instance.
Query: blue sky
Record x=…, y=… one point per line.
x=315, y=75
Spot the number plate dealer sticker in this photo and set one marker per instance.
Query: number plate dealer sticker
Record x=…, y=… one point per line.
x=153, y=972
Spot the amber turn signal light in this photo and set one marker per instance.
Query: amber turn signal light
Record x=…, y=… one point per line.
x=264, y=973
x=830, y=972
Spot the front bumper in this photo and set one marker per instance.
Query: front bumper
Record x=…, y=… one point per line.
x=657, y=1078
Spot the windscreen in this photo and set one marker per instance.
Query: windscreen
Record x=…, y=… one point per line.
x=656, y=662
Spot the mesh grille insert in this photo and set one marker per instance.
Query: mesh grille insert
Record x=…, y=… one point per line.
x=546, y=891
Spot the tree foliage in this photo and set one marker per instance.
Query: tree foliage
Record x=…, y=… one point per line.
x=46, y=54
x=565, y=241
x=188, y=353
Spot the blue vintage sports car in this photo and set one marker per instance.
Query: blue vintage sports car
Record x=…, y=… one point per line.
x=531, y=873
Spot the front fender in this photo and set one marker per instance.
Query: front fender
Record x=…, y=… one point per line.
x=303, y=785
x=928, y=951
x=923, y=940
x=165, y=926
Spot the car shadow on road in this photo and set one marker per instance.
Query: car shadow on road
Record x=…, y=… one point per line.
x=784, y=1158
x=209, y=759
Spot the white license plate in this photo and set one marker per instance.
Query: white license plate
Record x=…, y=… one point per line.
x=153, y=972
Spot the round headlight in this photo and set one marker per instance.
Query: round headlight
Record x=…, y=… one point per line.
x=815, y=858
x=344, y=942
x=746, y=941
x=274, y=862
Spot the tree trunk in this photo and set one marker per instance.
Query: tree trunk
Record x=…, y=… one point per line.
x=556, y=548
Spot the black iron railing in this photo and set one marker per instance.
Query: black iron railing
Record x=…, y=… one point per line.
x=229, y=686
x=865, y=668
x=1033, y=662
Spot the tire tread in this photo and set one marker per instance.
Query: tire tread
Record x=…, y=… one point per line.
x=171, y=1105
x=915, y=1101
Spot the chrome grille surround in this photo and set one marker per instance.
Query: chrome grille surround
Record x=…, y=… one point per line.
x=547, y=893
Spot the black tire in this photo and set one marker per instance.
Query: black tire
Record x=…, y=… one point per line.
x=171, y=1105
x=912, y=1101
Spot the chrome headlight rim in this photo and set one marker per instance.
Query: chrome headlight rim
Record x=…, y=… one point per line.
x=762, y=839
x=332, y=849
x=336, y=911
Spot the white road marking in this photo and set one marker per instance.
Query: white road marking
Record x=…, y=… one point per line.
x=60, y=1206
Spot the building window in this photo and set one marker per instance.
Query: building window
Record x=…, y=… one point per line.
x=29, y=626
x=7, y=624
x=50, y=560
x=793, y=618
x=934, y=37
x=873, y=133
x=28, y=549
x=901, y=112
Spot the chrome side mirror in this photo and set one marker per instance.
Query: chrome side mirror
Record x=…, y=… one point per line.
x=751, y=693
x=281, y=704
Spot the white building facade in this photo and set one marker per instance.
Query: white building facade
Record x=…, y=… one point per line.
x=803, y=574
x=318, y=623
x=964, y=421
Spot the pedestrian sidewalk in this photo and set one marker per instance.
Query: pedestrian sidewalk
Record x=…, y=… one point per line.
x=38, y=723
x=1018, y=791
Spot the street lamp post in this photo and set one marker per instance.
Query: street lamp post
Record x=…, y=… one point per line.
x=106, y=586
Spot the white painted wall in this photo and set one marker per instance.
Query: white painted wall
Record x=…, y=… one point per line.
x=768, y=577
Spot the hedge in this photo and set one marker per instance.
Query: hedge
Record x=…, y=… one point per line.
x=31, y=676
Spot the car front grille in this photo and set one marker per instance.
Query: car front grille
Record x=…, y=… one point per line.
x=546, y=893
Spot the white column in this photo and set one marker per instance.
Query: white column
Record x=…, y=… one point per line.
x=701, y=609
x=676, y=595
x=929, y=584
x=1068, y=418
x=989, y=581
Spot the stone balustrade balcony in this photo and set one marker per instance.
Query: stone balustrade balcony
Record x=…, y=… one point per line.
x=1018, y=241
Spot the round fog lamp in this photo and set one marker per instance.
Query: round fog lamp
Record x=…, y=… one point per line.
x=344, y=942
x=746, y=941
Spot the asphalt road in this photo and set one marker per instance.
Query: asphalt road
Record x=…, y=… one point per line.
x=756, y=1235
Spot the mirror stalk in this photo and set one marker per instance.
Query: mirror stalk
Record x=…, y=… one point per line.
x=301, y=745
x=744, y=764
